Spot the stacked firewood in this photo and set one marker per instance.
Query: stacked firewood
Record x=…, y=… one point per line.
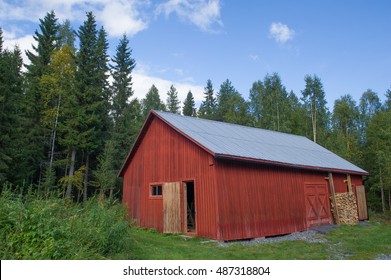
x=347, y=208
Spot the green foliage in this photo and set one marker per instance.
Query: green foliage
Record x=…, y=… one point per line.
x=231, y=107
x=106, y=174
x=35, y=228
x=76, y=179
x=315, y=102
x=173, y=101
x=152, y=101
x=208, y=106
x=189, y=106
x=378, y=150
x=66, y=35
x=14, y=154
x=122, y=75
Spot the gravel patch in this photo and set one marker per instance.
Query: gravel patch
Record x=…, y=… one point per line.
x=310, y=236
x=383, y=257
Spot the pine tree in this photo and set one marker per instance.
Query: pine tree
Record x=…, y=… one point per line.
x=152, y=101
x=122, y=76
x=208, y=106
x=189, y=105
x=173, y=101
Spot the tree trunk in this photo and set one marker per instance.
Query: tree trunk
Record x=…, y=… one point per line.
x=389, y=199
x=383, y=201
x=86, y=178
x=54, y=133
x=313, y=119
x=111, y=192
x=71, y=171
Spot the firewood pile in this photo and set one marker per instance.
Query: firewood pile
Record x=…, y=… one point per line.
x=347, y=208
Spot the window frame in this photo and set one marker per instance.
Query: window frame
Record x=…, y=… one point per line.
x=150, y=190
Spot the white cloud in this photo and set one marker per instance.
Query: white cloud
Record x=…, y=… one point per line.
x=24, y=43
x=281, y=32
x=202, y=13
x=118, y=17
x=143, y=82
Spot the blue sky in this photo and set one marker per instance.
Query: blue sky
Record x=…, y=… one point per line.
x=184, y=42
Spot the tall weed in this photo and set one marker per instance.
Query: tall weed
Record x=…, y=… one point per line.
x=32, y=227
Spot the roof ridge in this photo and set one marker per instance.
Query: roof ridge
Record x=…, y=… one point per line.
x=231, y=124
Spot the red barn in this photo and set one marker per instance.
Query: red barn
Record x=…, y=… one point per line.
x=227, y=182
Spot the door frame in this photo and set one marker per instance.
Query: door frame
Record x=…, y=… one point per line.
x=184, y=205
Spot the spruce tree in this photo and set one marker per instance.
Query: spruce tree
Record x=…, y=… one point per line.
x=46, y=43
x=231, y=106
x=208, y=106
x=13, y=143
x=173, y=101
x=92, y=105
x=1, y=40
x=189, y=105
x=126, y=114
x=152, y=101
x=122, y=77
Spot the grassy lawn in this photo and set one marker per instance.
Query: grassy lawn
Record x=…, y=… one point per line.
x=345, y=242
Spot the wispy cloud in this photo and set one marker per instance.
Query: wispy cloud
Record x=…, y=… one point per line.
x=254, y=57
x=205, y=14
x=281, y=32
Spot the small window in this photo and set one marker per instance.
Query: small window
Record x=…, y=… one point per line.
x=156, y=190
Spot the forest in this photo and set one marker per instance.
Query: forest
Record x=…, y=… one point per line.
x=68, y=117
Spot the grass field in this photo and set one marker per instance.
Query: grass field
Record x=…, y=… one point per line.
x=345, y=242
x=50, y=228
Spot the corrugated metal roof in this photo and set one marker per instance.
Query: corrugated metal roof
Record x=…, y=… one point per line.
x=224, y=139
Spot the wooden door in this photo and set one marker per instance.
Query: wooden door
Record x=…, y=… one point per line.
x=361, y=203
x=317, y=204
x=172, y=207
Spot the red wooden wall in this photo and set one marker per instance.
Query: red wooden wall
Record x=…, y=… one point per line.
x=263, y=200
x=164, y=155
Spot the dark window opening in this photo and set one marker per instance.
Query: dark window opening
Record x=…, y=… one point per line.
x=156, y=190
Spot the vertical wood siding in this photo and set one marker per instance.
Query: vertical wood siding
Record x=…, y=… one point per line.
x=166, y=156
x=260, y=200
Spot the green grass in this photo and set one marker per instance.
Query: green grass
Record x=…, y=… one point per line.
x=345, y=242
x=52, y=228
